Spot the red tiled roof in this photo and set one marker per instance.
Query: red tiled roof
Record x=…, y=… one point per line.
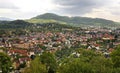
x=23, y=52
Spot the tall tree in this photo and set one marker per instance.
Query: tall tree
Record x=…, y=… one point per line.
x=49, y=60
x=36, y=67
x=5, y=63
x=116, y=57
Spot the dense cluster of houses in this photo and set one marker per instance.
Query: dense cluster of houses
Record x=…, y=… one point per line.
x=22, y=48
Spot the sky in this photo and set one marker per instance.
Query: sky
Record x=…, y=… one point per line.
x=25, y=9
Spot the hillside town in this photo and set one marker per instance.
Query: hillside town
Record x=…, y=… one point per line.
x=22, y=49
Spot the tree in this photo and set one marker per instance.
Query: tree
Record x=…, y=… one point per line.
x=75, y=66
x=88, y=62
x=49, y=60
x=116, y=57
x=101, y=64
x=36, y=67
x=5, y=63
x=42, y=46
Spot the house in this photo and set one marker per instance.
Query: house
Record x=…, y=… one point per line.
x=96, y=46
x=107, y=37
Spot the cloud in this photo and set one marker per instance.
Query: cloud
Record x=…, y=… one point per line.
x=21, y=9
x=103, y=13
x=108, y=9
x=6, y=4
x=79, y=7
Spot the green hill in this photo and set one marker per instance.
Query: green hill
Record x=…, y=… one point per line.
x=14, y=24
x=20, y=26
x=74, y=21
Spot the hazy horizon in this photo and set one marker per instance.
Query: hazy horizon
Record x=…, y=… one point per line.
x=25, y=9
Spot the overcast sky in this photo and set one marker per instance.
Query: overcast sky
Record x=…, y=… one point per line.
x=24, y=9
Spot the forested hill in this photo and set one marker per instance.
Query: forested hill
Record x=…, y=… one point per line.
x=74, y=20
x=14, y=24
x=21, y=27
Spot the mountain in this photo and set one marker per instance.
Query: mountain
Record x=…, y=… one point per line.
x=75, y=21
x=5, y=19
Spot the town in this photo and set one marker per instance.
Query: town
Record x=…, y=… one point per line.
x=23, y=48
